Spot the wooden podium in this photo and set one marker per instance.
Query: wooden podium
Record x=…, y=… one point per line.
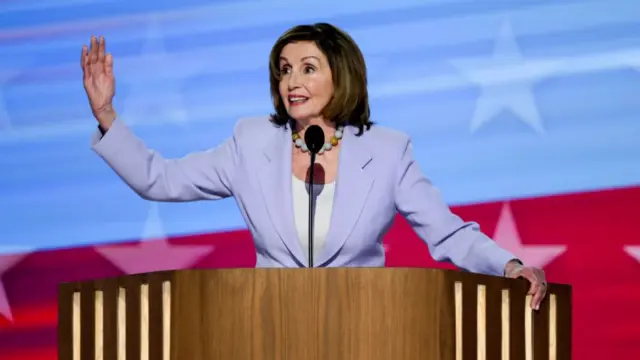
x=308, y=314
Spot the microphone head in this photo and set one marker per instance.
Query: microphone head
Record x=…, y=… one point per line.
x=314, y=138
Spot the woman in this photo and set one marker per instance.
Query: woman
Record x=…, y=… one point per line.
x=318, y=77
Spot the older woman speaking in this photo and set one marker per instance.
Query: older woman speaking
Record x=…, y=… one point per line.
x=363, y=173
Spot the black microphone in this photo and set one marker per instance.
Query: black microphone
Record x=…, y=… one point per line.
x=314, y=139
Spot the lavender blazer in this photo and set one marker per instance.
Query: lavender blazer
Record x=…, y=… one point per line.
x=377, y=178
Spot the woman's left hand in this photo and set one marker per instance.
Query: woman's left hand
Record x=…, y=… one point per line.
x=535, y=276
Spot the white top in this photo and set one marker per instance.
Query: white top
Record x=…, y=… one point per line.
x=323, y=205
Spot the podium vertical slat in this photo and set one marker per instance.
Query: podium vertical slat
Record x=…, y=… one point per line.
x=505, y=327
x=98, y=320
x=121, y=333
x=458, y=323
x=144, y=321
x=481, y=322
x=77, y=326
x=553, y=327
x=166, y=319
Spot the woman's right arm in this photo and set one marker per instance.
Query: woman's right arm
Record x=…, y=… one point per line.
x=198, y=176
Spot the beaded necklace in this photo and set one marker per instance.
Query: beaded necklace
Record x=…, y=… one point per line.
x=333, y=141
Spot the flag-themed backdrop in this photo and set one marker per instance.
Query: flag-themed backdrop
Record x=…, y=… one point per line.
x=525, y=114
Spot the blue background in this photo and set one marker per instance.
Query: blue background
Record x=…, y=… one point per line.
x=503, y=99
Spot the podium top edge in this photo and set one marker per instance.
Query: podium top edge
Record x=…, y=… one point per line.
x=142, y=278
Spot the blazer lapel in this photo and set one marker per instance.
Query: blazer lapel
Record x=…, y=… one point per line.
x=275, y=184
x=353, y=185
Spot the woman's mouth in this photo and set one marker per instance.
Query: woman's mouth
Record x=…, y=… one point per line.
x=296, y=100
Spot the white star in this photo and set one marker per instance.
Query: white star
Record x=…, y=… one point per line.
x=154, y=252
x=633, y=251
x=506, y=235
x=158, y=99
x=7, y=261
x=506, y=80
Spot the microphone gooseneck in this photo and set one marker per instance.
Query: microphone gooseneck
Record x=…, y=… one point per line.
x=314, y=139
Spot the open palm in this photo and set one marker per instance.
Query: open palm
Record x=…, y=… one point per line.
x=99, y=82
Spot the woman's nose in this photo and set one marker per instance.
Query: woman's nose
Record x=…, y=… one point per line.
x=293, y=81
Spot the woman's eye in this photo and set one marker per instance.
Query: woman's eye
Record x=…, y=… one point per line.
x=309, y=69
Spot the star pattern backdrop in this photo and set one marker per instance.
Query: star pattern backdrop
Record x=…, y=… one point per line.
x=525, y=114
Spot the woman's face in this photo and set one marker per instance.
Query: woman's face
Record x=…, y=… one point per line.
x=306, y=83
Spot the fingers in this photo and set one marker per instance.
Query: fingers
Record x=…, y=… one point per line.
x=534, y=290
x=537, y=297
x=101, y=48
x=95, y=59
x=538, y=287
x=542, y=287
x=84, y=53
x=93, y=51
x=84, y=63
x=108, y=62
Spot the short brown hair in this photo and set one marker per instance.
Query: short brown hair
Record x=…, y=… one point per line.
x=350, y=102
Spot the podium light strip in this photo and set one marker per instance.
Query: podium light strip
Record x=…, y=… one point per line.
x=505, y=324
x=458, y=316
x=528, y=328
x=99, y=325
x=76, y=325
x=481, y=322
x=144, y=322
x=122, y=324
x=553, y=327
x=166, y=320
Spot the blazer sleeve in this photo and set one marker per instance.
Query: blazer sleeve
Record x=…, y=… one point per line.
x=205, y=175
x=448, y=237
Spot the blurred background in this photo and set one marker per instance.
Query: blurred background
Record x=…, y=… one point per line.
x=524, y=113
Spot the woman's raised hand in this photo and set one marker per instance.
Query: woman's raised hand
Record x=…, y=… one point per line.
x=99, y=82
